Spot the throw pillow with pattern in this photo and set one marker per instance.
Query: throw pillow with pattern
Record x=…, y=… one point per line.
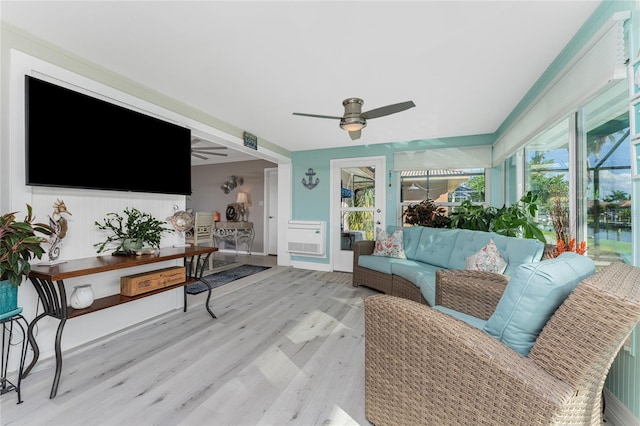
x=487, y=259
x=390, y=245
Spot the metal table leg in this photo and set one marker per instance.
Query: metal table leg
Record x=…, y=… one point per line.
x=54, y=304
x=195, y=269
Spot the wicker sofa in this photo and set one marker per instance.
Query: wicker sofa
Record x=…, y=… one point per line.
x=425, y=367
x=429, y=250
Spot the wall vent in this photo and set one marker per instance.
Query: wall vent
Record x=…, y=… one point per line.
x=306, y=237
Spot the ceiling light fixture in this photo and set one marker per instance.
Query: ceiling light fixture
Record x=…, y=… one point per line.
x=414, y=187
x=353, y=124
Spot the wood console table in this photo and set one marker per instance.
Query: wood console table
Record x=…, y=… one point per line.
x=235, y=231
x=49, y=284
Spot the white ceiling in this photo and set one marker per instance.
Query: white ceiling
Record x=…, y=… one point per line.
x=465, y=64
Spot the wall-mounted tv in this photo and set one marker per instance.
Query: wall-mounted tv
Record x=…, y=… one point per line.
x=78, y=141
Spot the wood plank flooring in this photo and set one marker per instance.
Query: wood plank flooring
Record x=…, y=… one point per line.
x=287, y=348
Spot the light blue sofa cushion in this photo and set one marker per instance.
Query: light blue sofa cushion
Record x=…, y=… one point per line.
x=421, y=274
x=377, y=263
x=435, y=246
x=411, y=269
x=533, y=294
x=471, y=320
x=426, y=280
x=412, y=236
x=468, y=243
x=517, y=251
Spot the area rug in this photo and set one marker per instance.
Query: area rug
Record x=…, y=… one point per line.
x=224, y=277
x=222, y=265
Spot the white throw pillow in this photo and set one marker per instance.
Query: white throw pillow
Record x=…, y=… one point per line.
x=487, y=259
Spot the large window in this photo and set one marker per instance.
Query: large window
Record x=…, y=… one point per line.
x=547, y=175
x=446, y=188
x=608, y=190
x=581, y=170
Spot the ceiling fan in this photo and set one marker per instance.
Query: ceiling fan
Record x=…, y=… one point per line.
x=201, y=151
x=354, y=120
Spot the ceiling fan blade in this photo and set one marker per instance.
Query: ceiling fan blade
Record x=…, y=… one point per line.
x=387, y=110
x=317, y=116
x=355, y=134
x=202, y=157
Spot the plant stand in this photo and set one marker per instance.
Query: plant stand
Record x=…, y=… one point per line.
x=7, y=321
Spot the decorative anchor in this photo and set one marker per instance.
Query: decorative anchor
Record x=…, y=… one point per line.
x=310, y=173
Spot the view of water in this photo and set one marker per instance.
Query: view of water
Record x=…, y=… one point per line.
x=612, y=234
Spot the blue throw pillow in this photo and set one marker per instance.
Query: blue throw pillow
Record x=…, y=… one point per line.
x=533, y=294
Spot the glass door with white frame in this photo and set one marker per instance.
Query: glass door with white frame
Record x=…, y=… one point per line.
x=357, y=206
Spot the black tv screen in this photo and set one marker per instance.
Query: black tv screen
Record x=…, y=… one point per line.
x=77, y=141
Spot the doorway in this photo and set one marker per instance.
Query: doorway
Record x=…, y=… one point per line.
x=271, y=211
x=357, y=206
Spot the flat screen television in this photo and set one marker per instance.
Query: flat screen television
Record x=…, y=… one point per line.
x=78, y=141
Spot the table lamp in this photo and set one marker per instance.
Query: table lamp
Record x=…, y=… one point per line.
x=243, y=201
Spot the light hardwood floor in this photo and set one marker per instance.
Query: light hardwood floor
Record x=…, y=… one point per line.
x=287, y=348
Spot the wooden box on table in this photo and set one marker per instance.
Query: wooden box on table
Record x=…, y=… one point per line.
x=132, y=285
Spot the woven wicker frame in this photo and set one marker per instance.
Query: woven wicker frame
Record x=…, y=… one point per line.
x=423, y=367
x=487, y=287
x=472, y=292
x=386, y=283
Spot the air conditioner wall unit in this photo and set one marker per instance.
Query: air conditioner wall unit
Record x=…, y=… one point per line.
x=306, y=237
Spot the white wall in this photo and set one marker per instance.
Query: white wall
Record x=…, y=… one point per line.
x=86, y=206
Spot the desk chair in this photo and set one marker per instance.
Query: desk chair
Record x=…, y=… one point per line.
x=202, y=231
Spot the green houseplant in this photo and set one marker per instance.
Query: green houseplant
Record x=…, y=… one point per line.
x=516, y=220
x=427, y=213
x=18, y=245
x=130, y=231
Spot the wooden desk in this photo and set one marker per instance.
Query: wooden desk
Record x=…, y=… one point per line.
x=49, y=284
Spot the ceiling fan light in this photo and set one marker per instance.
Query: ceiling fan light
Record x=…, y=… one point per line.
x=353, y=124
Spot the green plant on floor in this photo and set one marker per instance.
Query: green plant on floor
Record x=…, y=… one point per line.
x=427, y=213
x=130, y=231
x=19, y=244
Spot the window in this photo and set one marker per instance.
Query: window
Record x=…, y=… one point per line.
x=607, y=186
x=547, y=175
x=446, y=188
x=582, y=175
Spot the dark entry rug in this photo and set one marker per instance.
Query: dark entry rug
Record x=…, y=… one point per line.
x=219, y=279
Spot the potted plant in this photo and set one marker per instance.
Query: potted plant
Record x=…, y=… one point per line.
x=427, y=213
x=130, y=232
x=18, y=245
x=516, y=220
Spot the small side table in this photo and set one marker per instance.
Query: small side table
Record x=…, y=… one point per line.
x=238, y=232
x=7, y=320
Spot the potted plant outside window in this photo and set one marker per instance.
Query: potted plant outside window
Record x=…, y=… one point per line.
x=18, y=245
x=131, y=231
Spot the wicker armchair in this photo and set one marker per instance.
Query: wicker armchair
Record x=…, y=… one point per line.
x=424, y=367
